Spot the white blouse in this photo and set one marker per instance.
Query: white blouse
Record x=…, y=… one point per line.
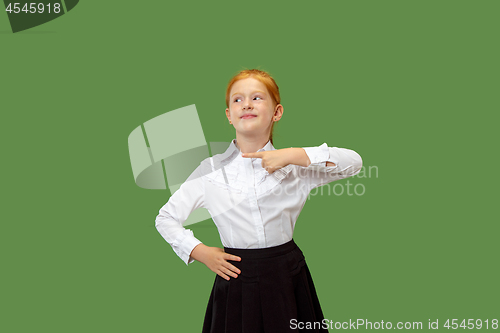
x=250, y=207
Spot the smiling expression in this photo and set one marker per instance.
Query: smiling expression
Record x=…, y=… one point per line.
x=251, y=107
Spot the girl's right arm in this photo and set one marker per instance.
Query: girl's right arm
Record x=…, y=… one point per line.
x=191, y=196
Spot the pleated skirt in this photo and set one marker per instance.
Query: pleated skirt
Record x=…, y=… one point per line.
x=273, y=294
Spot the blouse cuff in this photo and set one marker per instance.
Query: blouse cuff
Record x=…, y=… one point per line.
x=318, y=155
x=185, y=246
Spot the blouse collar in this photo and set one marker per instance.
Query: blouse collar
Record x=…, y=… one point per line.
x=268, y=146
x=233, y=151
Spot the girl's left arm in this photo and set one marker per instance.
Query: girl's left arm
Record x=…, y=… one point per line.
x=317, y=165
x=323, y=164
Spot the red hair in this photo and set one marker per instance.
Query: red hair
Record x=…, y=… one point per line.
x=265, y=79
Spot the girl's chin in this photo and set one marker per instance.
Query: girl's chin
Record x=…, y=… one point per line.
x=257, y=131
x=250, y=126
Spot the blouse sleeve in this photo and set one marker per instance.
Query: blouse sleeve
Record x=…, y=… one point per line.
x=347, y=164
x=189, y=197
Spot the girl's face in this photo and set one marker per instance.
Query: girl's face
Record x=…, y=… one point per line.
x=251, y=108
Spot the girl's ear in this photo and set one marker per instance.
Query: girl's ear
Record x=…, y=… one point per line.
x=228, y=114
x=278, y=111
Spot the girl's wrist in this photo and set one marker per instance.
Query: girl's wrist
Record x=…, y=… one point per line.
x=299, y=157
x=198, y=251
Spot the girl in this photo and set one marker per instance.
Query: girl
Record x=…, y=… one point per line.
x=254, y=194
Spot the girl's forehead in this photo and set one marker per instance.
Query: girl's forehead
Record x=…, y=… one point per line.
x=248, y=84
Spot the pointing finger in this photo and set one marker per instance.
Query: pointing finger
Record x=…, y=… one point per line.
x=253, y=155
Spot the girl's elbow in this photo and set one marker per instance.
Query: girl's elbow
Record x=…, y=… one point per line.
x=160, y=221
x=357, y=162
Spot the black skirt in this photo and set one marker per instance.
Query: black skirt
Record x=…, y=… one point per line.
x=274, y=293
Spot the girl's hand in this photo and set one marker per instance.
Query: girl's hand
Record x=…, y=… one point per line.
x=215, y=259
x=272, y=160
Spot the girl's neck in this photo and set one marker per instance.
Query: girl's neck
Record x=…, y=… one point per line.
x=252, y=144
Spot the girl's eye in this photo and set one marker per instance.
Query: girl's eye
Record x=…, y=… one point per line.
x=258, y=97
x=236, y=100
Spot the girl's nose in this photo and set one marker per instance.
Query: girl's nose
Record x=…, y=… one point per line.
x=247, y=106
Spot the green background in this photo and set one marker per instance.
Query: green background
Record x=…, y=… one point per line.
x=412, y=86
